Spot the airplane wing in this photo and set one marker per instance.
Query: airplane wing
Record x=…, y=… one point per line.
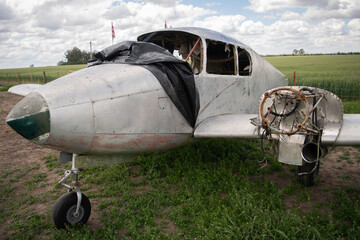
x=228, y=126
x=23, y=89
x=350, y=132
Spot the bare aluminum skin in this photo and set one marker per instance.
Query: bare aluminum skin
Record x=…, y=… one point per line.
x=120, y=108
x=117, y=108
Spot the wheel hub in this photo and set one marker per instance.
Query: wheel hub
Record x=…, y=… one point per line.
x=72, y=217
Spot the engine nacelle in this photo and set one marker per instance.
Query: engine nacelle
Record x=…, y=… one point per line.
x=304, y=121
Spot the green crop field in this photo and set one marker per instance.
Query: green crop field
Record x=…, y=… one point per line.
x=337, y=73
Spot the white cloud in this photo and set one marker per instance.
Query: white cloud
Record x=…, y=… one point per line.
x=166, y=3
x=270, y=16
x=251, y=28
x=354, y=26
x=315, y=10
x=39, y=31
x=225, y=23
x=331, y=27
x=119, y=11
x=270, y=5
x=347, y=10
x=288, y=15
x=6, y=13
x=273, y=5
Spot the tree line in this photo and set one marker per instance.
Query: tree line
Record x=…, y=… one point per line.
x=310, y=54
x=75, y=56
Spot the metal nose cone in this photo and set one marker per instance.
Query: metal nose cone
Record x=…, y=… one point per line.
x=31, y=118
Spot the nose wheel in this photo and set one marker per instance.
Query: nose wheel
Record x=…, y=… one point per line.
x=72, y=208
x=64, y=210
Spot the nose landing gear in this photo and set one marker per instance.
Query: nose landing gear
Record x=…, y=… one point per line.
x=72, y=208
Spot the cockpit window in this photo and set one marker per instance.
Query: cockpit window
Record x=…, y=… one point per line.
x=220, y=58
x=180, y=45
x=245, y=66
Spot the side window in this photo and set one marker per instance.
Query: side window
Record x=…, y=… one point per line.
x=245, y=65
x=220, y=58
x=195, y=58
x=180, y=45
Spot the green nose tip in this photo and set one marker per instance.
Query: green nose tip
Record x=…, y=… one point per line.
x=30, y=117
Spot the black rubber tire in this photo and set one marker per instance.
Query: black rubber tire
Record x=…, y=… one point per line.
x=67, y=204
x=308, y=179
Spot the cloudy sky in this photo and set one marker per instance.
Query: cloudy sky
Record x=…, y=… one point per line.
x=39, y=32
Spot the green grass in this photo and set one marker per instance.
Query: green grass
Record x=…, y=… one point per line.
x=5, y=87
x=352, y=106
x=336, y=73
x=37, y=73
x=211, y=189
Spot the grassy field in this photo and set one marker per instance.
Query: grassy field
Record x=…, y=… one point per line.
x=37, y=73
x=213, y=189
x=336, y=73
x=207, y=190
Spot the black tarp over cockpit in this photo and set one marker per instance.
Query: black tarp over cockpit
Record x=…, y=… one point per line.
x=174, y=75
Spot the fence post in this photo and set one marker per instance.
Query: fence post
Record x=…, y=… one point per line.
x=44, y=77
x=7, y=78
x=31, y=77
x=19, y=78
x=294, y=78
x=57, y=74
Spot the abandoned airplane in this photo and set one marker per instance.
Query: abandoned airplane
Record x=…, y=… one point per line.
x=165, y=89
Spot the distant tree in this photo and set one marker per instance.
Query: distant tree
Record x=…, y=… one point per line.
x=75, y=56
x=295, y=52
x=301, y=51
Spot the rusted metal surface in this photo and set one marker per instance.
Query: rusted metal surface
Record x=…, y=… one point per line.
x=130, y=143
x=297, y=116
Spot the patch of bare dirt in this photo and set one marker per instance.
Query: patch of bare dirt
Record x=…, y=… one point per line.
x=165, y=224
x=339, y=170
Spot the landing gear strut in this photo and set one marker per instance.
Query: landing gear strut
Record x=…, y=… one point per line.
x=308, y=173
x=72, y=208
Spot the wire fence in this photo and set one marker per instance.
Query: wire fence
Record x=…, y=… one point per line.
x=21, y=78
x=351, y=92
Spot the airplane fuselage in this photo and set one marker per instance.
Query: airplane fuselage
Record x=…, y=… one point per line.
x=122, y=108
